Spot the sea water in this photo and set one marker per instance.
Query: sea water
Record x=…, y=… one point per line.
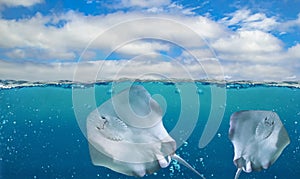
x=42, y=137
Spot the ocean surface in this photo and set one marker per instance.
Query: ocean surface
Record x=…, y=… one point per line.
x=42, y=127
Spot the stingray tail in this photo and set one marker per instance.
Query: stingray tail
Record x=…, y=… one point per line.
x=183, y=162
x=238, y=172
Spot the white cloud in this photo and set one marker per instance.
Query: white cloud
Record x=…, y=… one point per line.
x=144, y=67
x=180, y=8
x=246, y=20
x=140, y=48
x=43, y=34
x=294, y=51
x=144, y=3
x=25, y=3
x=249, y=46
x=249, y=21
x=33, y=35
x=290, y=24
x=252, y=49
x=259, y=72
x=140, y=67
x=155, y=10
x=200, y=54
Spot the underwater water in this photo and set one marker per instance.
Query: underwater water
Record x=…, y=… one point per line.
x=41, y=135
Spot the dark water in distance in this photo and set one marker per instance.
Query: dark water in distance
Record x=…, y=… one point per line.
x=40, y=136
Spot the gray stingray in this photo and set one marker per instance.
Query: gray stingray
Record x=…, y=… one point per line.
x=258, y=137
x=126, y=135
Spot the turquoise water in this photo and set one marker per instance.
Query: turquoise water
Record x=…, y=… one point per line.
x=41, y=137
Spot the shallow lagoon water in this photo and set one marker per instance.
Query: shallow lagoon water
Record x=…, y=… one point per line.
x=40, y=136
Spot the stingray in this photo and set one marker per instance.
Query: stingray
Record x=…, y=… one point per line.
x=258, y=137
x=126, y=135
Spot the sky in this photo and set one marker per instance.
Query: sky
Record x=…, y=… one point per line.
x=88, y=40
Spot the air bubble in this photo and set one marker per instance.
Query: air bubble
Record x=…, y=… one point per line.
x=110, y=91
x=223, y=106
x=171, y=169
x=185, y=144
x=87, y=106
x=200, y=91
x=177, y=91
x=177, y=167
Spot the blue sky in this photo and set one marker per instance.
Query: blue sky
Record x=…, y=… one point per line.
x=250, y=40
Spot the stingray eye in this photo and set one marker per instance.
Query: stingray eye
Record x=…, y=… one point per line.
x=272, y=122
x=103, y=117
x=101, y=127
x=266, y=119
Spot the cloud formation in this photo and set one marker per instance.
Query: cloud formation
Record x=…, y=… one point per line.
x=24, y=3
x=143, y=67
x=63, y=41
x=245, y=20
x=53, y=43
